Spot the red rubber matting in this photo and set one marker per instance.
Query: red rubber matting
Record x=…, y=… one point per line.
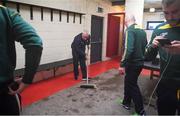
x=43, y=89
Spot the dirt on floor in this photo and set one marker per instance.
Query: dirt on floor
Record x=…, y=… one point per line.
x=104, y=100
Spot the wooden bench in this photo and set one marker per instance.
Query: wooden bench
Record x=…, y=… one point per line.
x=48, y=66
x=153, y=68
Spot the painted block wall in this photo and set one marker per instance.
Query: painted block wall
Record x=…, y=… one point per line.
x=156, y=16
x=57, y=36
x=135, y=7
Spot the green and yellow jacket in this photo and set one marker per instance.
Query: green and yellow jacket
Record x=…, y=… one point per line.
x=172, y=71
x=14, y=28
x=135, y=44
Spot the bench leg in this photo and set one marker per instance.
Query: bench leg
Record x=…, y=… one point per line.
x=54, y=71
x=151, y=75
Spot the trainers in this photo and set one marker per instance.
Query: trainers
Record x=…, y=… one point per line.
x=127, y=107
x=142, y=113
x=85, y=79
x=75, y=78
x=135, y=114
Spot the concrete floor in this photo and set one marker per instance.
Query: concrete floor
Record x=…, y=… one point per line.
x=105, y=100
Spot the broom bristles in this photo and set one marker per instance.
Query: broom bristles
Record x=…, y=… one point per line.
x=92, y=86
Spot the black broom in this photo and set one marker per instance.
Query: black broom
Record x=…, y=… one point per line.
x=88, y=85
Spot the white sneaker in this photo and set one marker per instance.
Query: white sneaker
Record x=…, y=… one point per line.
x=85, y=79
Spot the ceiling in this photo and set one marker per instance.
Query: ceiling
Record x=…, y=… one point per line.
x=152, y=3
x=147, y=3
x=117, y=2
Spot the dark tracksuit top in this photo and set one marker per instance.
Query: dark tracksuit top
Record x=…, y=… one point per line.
x=173, y=70
x=132, y=61
x=135, y=43
x=169, y=85
x=14, y=28
x=79, y=46
x=78, y=51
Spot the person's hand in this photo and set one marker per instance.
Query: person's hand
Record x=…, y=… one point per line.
x=20, y=88
x=174, y=48
x=121, y=71
x=155, y=43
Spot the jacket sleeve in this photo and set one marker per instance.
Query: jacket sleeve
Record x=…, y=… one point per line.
x=32, y=43
x=129, y=47
x=151, y=52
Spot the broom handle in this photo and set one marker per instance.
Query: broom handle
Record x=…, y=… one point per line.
x=87, y=72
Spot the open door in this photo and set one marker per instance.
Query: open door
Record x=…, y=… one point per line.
x=114, y=34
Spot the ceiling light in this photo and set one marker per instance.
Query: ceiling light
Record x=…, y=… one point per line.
x=152, y=10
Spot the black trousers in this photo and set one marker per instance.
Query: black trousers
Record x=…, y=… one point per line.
x=168, y=102
x=76, y=60
x=131, y=88
x=9, y=104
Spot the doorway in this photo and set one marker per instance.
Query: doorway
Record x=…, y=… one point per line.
x=115, y=34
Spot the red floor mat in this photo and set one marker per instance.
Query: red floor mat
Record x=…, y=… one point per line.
x=48, y=87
